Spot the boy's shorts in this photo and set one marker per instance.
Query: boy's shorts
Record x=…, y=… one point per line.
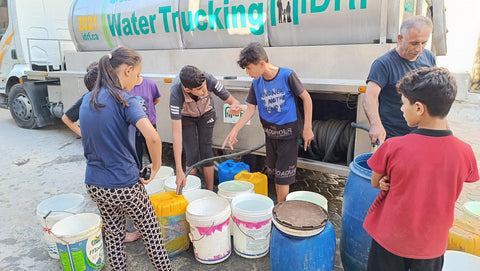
x=381, y=259
x=281, y=160
x=197, y=135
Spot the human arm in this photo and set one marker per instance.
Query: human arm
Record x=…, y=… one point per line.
x=177, y=152
x=231, y=138
x=154, y=145
x=307, y=125
x=156, y=100
x=380, y=181
x=370, y=106
x=72, y=125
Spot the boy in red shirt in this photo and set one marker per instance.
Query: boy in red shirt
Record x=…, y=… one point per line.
x=421, y=176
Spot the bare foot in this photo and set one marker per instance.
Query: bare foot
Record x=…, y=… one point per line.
x=132, y=236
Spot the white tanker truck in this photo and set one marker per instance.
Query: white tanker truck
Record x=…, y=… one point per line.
x=47, y=44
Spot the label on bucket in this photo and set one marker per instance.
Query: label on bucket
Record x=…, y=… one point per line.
x=84, y=255
x=251, y=239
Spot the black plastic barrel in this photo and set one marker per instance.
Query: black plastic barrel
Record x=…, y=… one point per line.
x=358, y=196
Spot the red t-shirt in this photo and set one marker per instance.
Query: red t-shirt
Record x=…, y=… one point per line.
x=427, y=169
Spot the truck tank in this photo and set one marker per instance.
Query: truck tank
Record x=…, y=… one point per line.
x=163, y=24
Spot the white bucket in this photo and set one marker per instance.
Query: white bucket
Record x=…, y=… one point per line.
x=52, y=210
x=198, y=194
x=457, y=260
x=156, y=185
x=231, y=189
x=193, y=182
x=209, y=229
x=79, y=242
x=252, y=217
x=310, y=197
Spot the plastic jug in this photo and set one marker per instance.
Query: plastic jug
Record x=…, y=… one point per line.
x=258, y=179
x=465, y=232
x=170, y=209
x=228, y=169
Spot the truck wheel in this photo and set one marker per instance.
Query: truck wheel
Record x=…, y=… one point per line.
x=21, y=107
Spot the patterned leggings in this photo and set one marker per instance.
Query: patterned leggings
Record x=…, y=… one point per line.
x=113, y=203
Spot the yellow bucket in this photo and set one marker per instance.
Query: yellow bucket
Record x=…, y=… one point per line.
x=170, y=209
x=465, y=232
x=258, y=179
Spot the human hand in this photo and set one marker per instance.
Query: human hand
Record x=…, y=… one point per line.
x=146, y=175
x=231, y=139
x=307, y=137
x=384, y=183
x=181, y=180
x=235, y=109
x=377, y=134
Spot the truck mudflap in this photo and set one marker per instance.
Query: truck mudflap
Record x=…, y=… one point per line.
x=29, y=105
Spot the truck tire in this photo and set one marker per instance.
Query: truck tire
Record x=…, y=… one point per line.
x=21, y=107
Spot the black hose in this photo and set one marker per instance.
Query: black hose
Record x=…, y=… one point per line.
x=232, y=155
x=333, y=139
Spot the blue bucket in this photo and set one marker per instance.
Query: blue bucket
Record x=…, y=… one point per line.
x=358, y=196
x=228, y=169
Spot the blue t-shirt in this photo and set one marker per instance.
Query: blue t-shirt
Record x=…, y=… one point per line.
x=386, y=71
x=108, y=137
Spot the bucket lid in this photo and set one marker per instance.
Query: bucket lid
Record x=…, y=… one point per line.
x=300, y=215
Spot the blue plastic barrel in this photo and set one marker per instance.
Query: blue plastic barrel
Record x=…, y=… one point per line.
x=358, y=196
x=228, y=169
x=316, y=252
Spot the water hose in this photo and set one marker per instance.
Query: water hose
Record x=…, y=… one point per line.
x=226, y=156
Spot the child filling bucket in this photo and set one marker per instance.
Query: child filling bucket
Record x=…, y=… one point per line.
x=252, y=217
x=209, y=229
x=79, y=242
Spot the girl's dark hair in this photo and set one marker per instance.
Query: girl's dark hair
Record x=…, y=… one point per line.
x=107, y=75
x=435, y=87
x=252, y=54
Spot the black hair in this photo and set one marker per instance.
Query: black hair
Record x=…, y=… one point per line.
x=434, y=87
x=107, y=76
x=191, y=77
x=252, y=54
x=91, y=77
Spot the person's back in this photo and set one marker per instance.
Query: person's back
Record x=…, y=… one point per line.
x=421, y=175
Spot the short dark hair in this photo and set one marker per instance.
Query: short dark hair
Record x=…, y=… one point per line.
x=91, y=77
x=191, y=77
x=435, y=87
x=252, y=54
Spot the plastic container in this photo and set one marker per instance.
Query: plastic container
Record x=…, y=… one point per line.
x=193, y=182
x=228, y=169
x=456, y=260
x=231, y=189
x=170, y=210
x=309, y=196
x=259, y=180
x=209, y=229
x=316, y=252
x=55, y=209
x=198, y=194
x=252, y=217
x=465, y=232
x=156, y=185
x=79, y=242
x=358, y=196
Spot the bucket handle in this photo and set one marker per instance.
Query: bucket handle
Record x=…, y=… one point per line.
x=203, y=235
x=49, y=212
x=251, y=237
